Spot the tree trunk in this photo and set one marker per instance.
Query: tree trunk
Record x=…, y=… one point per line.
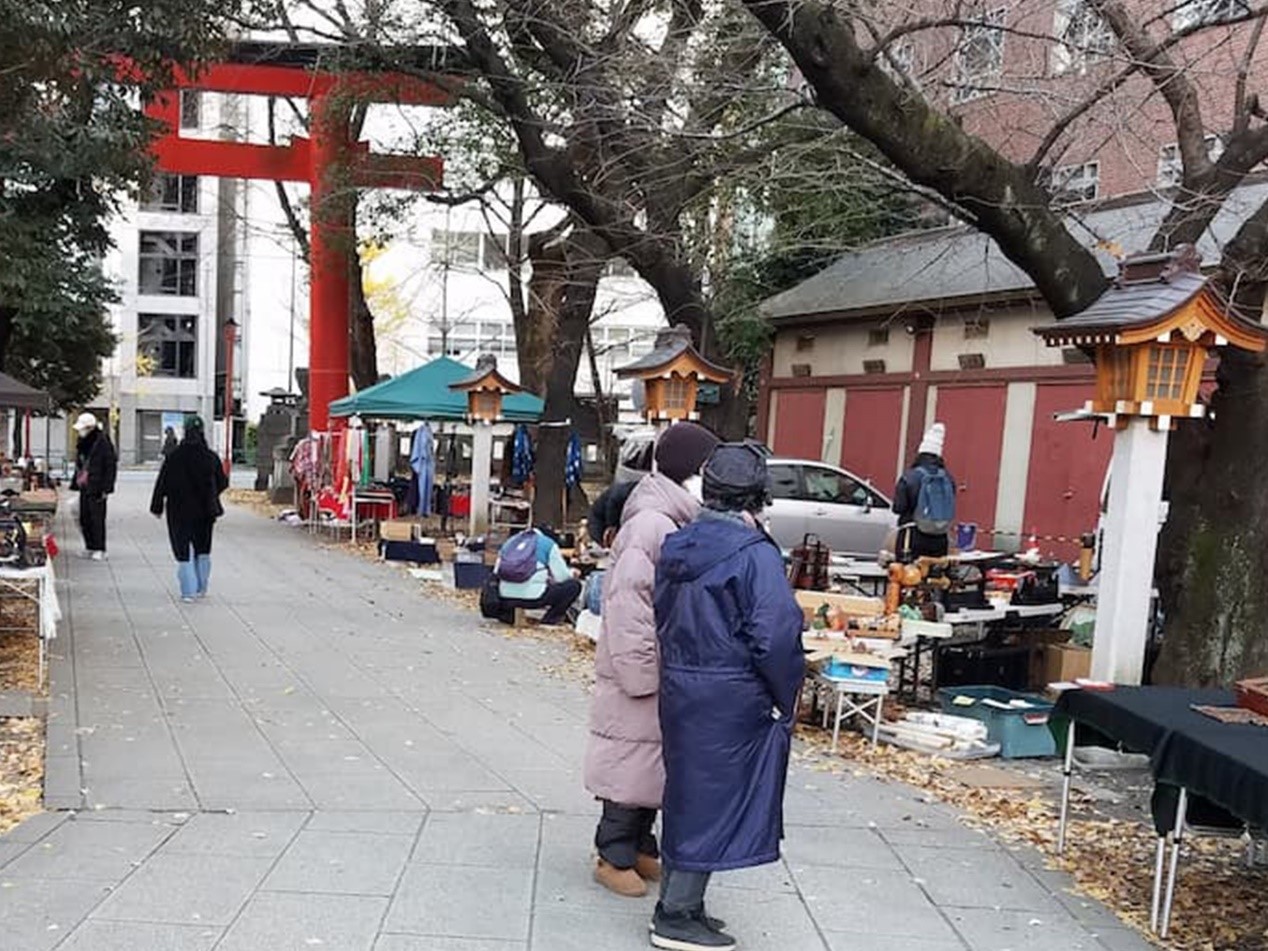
x=363, y=352
x=8, y=315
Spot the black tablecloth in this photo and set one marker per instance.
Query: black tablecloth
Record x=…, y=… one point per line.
x=1220, y=764
x=1138, y=718
x=1228, y=766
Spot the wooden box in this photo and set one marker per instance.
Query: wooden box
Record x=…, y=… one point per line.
x=398, y=530
x=1253, y=695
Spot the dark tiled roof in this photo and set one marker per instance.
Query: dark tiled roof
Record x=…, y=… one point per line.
x=1138, y=303
x=948, y=263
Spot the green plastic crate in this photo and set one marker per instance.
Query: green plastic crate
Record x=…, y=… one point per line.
x=1020, y=732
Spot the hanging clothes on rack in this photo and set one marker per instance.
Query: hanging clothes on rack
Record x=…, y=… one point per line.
x=522, y=456
x=422, y=460
x=574, y=465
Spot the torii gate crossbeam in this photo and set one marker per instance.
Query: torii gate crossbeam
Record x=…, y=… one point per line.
x=329, y=161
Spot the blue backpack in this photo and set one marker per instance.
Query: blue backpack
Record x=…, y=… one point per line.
x=517, y=561
x=935, y=505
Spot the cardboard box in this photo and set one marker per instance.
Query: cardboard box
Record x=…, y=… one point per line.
x=398, y=530
x=1066, y=662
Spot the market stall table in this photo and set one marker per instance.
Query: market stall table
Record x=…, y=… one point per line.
x=38, y=586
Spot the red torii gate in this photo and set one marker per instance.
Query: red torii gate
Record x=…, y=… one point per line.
x=330, y=162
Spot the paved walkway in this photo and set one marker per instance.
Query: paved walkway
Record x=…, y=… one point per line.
x=321, y=757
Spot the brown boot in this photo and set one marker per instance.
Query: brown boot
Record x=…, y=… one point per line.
x=648, y=868
x=622, y=881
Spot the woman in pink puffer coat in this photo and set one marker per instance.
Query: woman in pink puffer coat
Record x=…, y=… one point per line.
x=623, y=757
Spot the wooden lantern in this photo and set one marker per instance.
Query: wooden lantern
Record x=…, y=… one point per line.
x=671, y=376
x=1150, y=334
x=485, y=389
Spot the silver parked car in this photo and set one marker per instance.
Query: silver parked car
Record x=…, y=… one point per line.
x=809, y=497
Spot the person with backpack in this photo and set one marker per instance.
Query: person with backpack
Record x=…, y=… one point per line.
x=924, y=501
x=531, y=573
x=623, y=758
x=188, y=487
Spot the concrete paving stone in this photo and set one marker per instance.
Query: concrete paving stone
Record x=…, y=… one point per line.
x=1084, y=910
x=371, y=790
x=35, y=828
x=61, y=777
x=772, y=878
x=508, y=841
x=552, y=790
x=993, y=930
x=407, y=942
x=556, y=929
x=105, y=851
x=861, y=848
x=975, y=878
x=1123, y=939
x=871, y=901
x=955, y=837
x=437, y=772
x=140, y=936
x=349, y=863
x=262, y=790
x=169, y=794
x=766, y=922
x=462, y=902
x=854, y=941
x=382, y=823
x=243, y=834
x=184, y=889
x=37, y=914
x=287, y=922
x=173, y=820
x=11, y=850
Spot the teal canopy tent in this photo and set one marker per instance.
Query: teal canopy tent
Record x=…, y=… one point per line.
x=424, y=393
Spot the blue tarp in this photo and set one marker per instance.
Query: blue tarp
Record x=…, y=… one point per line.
x=424, y=393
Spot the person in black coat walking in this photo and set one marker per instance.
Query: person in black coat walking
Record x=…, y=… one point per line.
x=914, y=543
x=189, y=487
x=96, y=466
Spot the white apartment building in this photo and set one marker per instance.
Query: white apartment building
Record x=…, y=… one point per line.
x=180, y=270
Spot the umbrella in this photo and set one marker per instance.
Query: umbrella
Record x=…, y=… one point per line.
x=521, y=456
x=573, y=465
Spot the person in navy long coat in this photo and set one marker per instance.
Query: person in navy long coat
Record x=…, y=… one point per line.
x=732, y=665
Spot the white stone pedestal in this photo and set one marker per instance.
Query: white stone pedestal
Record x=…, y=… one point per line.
x=481, y=473
x=1128, y=551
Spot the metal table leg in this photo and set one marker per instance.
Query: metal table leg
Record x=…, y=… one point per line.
x=1182, y=808
x=1066, y=773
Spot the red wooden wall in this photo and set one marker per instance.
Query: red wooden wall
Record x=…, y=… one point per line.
x=799, y=423
x=869, y=442
x=1067, y=470
x=974, y=417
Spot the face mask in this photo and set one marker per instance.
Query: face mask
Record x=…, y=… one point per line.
x=695, y=485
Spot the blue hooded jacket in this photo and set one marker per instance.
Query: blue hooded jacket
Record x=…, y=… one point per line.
x=732, y=665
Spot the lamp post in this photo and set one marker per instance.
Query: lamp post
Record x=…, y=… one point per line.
x=231, y=339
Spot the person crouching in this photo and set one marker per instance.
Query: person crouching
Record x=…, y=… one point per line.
x=732, y=667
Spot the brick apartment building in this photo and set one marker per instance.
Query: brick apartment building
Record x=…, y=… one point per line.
x=937, y=324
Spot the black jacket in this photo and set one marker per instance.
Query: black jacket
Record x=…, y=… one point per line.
x=95, y=457
x=190, y=484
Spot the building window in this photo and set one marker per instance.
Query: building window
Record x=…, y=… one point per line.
x=677, y=389
x=979, y=56
x=1083, y=37
x=169, y=263
x=169, y=192
x=1072, y=184
x=495, y=251
x=1170, y=167
x=878, y=337
x=873, y=366
x=1168, y=367
x=456, y=248
x=167, y=345
x=1202, y=12
x=976, y=328
x=972, y=361
x=805, y=342
x=191, y=109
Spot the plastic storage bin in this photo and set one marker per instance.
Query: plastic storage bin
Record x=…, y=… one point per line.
x=1020, y=731
x=470, y=575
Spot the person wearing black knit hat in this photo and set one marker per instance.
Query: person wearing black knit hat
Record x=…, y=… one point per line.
x=729, y=632
x=623, y=763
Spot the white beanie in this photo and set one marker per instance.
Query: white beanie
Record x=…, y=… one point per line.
x=935, y=436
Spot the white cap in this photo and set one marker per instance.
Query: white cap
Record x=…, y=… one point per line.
x=86, y=423
x=935, y=436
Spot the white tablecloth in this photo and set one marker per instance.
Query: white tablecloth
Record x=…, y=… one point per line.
x=50, y=608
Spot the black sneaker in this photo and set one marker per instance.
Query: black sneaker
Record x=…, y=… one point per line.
x=685, y=932
x=713, y=924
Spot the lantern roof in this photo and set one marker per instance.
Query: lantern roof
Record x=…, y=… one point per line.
x=1154, y=296
x=485, y=377
x=674, y=352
